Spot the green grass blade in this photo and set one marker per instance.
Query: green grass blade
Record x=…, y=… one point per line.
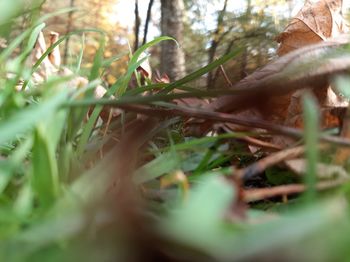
x=203, y=70
x=311, y=135
x=45, y=171
x=25, y=119
x=81, y=54
x=163, y=164
x=119, y=87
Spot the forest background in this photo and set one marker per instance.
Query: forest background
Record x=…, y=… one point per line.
x=209, y=29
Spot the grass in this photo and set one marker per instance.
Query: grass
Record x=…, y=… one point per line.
x=69, y=190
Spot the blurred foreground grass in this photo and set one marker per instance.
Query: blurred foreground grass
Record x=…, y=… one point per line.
x=68, y=190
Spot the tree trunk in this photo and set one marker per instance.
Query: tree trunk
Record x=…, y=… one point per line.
x=214, y=44
x=68, y=29
x=244, y=63
x=137, y=25
x=172, y=57
x=148, y=19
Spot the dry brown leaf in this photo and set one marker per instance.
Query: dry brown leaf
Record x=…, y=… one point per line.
x=51, y=65
x=145, y=69
x=268, y=88
x=46, y=68
x=55, y=55
x=286, y=74
x=315, y=22
x=315, y=25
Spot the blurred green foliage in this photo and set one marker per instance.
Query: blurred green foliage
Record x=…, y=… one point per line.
x=59, y=173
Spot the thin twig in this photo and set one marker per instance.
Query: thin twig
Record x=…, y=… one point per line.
x=228, y=81
x=225, y=118
x=271, y=160
x=252, y=195
x=259, y=143
x=254, y=141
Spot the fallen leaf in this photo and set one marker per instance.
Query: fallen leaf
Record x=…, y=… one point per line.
x=55, y=55
x=315, y=22
x=304, y=44
x=266, y=90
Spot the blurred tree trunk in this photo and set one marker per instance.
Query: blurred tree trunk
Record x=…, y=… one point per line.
x=69, y=28
x=172, y=57
x=244, y=58
x=244, y=63
x=137, y=25
x=148, y=19
x=215, y=42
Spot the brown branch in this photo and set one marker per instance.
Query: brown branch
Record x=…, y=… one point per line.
x=252, y=195
x=271, y=160
x=215, y=42
x=254, y=141
x=189, y=112
x=259, y=143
